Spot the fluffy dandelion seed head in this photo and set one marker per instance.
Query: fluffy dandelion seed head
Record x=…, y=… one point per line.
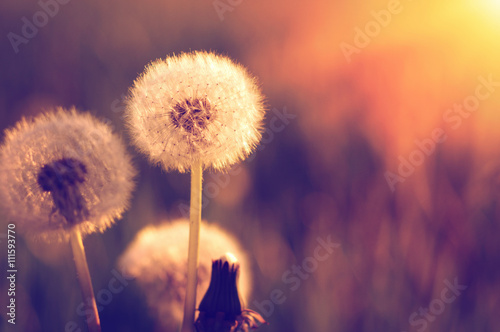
x=59, y=173
x=195, y=107
x=157, y=258
x=61, y=170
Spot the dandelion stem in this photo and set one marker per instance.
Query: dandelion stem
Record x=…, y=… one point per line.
x=82, y=270
x=194, y=239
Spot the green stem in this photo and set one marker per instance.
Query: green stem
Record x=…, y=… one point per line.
x=194, y=239
x=82, y=271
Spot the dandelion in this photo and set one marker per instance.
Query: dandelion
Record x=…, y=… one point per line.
x=64, y=175
x=195, y=108
x=157, y=258
x=62, y=171
x=191, y=112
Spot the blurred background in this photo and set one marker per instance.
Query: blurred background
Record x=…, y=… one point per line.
x=386, y=143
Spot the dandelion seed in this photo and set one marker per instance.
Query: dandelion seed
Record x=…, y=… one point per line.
x=157, y=258
x=63, y=170
x=62, y=175
x=195, y=107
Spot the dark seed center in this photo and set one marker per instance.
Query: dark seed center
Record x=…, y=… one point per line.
x=192, y=115
x=62, y=178
x=61, y=173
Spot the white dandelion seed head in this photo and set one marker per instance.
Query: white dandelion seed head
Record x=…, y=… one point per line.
x=61, y=170
x=157, y=258
x=195, y=107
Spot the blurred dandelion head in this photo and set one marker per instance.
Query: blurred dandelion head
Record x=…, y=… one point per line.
x=195, y=107
x=61, y=170
x=157, y=258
